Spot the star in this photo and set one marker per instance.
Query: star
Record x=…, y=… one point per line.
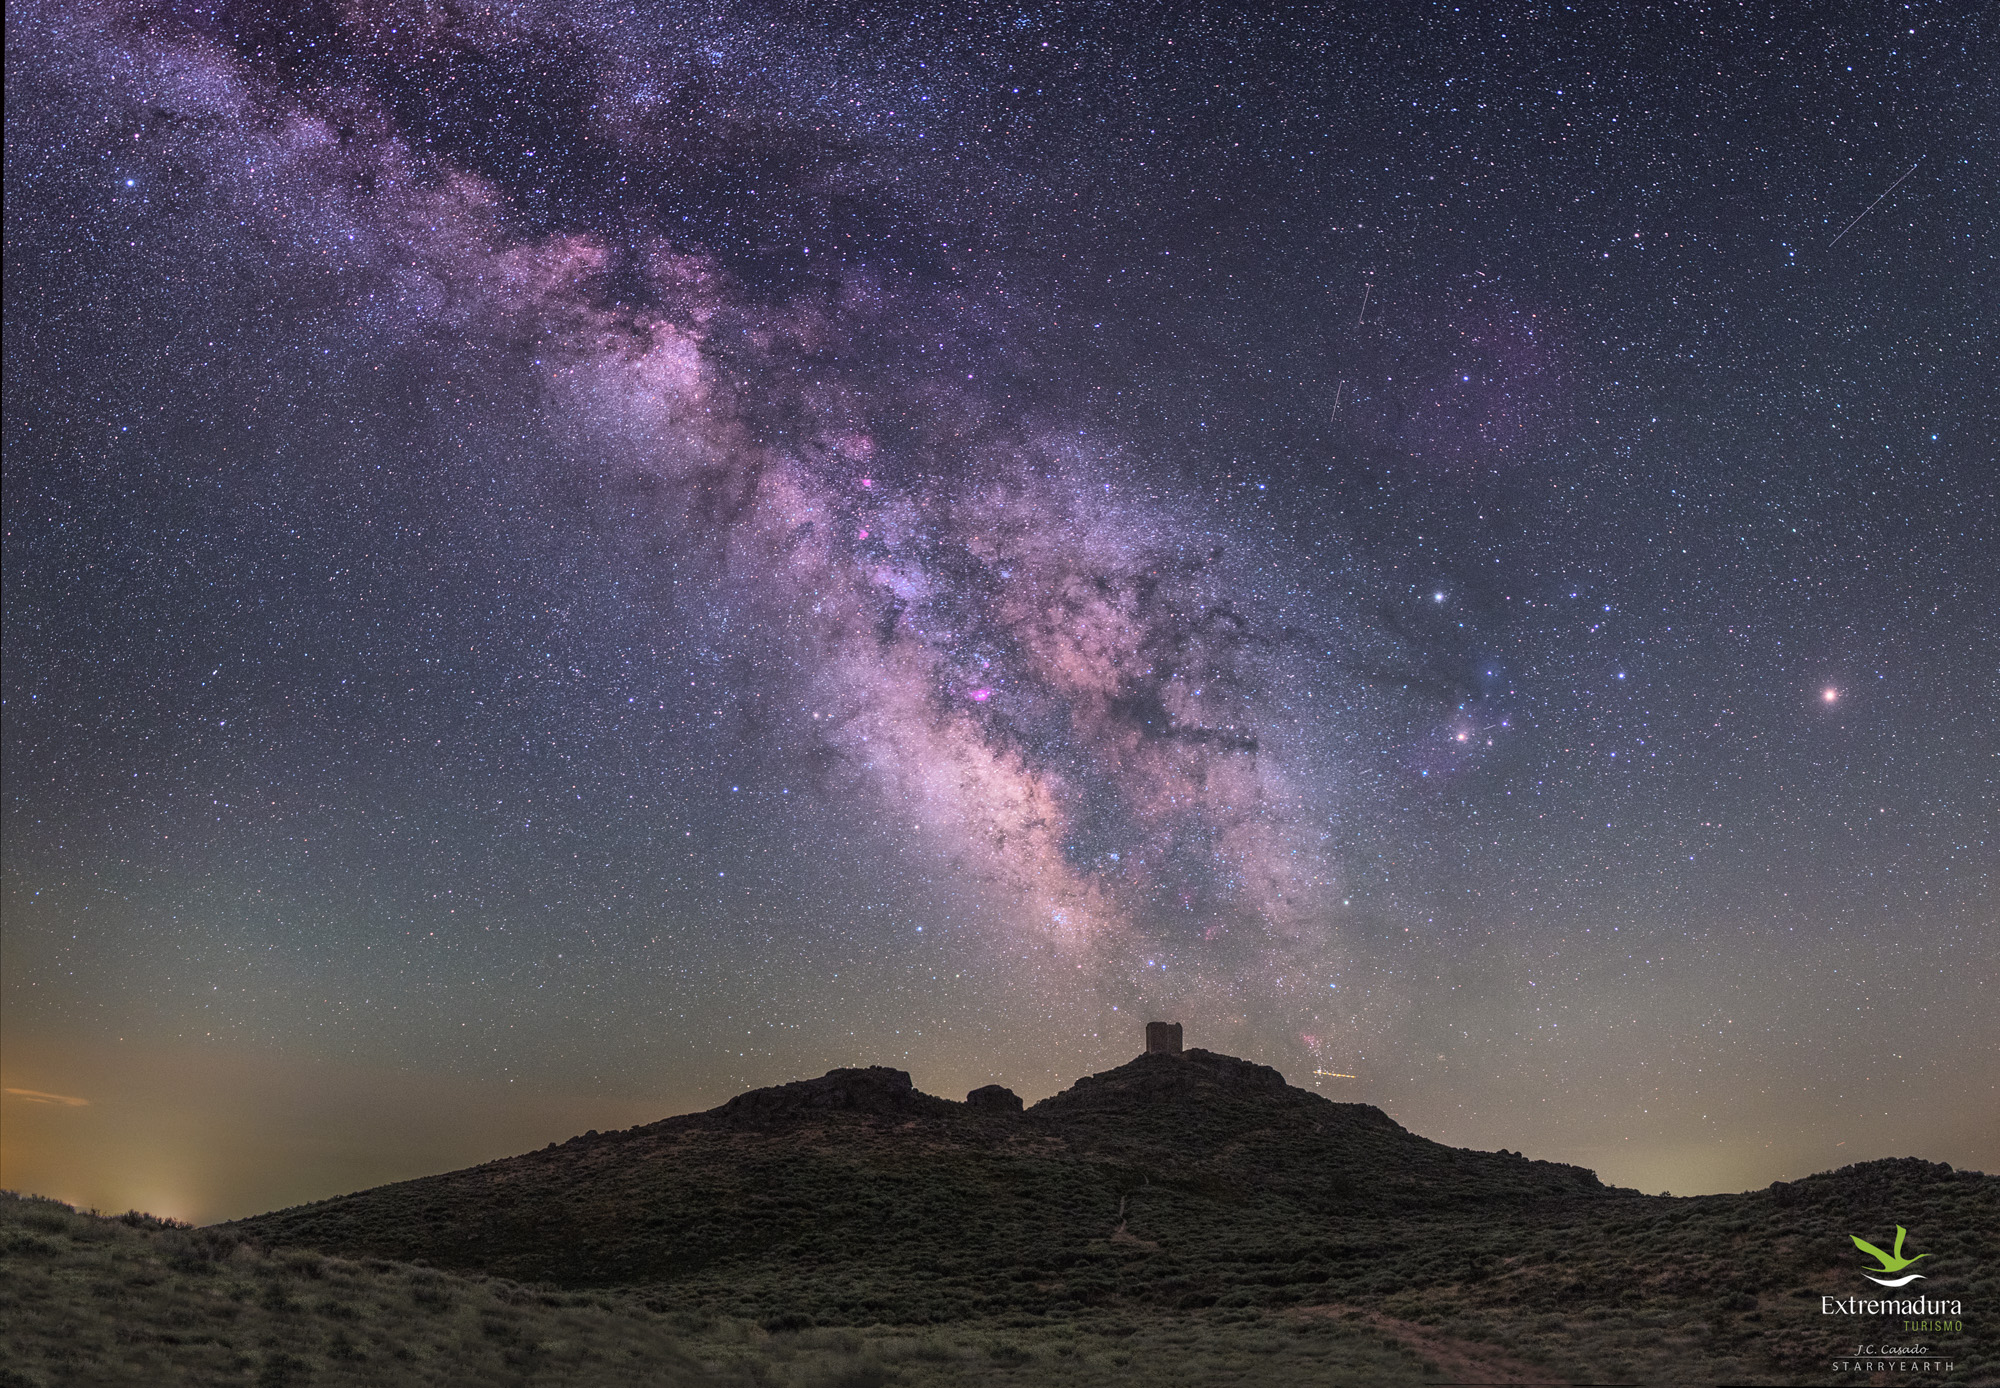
x=531, y=476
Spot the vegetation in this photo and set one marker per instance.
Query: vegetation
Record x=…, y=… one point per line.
x=1179, y=1220
x=89, y=1300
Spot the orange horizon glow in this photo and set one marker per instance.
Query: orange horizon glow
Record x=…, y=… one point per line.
x=36, y=1096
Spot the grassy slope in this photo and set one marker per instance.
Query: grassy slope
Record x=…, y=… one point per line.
x=87, y=1300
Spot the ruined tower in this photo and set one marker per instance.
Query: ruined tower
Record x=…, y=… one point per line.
x=1163, y=1038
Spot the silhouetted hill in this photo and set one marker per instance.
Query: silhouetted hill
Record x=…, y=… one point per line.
x=1169, y=1185
x=859, y=1167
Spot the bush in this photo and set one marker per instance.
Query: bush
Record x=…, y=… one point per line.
x=1009, y=1353
x=859, y=1376
x=430, y=1296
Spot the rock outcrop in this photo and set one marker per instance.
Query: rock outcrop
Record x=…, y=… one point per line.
x=993, y=1098
x=875, y=1090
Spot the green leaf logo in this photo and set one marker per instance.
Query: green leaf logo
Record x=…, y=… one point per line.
x=1891, y=1262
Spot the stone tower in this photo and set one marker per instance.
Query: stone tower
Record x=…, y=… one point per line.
x=1163, y=1038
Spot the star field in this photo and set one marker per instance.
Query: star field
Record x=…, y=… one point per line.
x=565, y=563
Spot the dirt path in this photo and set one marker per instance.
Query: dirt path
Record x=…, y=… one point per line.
x=1458, y=1361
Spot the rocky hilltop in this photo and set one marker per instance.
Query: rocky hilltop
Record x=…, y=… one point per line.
x=859, y=1178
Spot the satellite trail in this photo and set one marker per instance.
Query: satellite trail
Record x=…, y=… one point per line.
x=1872, y=206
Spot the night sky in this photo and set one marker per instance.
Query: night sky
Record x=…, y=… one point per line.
x=566, y=560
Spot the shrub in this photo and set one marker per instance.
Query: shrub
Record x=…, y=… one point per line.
x=868, y=1375
x=304, y=1264
x=430, y=1296
x=282, y=1370
x=931, y=1350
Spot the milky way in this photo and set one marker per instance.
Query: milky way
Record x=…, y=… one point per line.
x=644, y=551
